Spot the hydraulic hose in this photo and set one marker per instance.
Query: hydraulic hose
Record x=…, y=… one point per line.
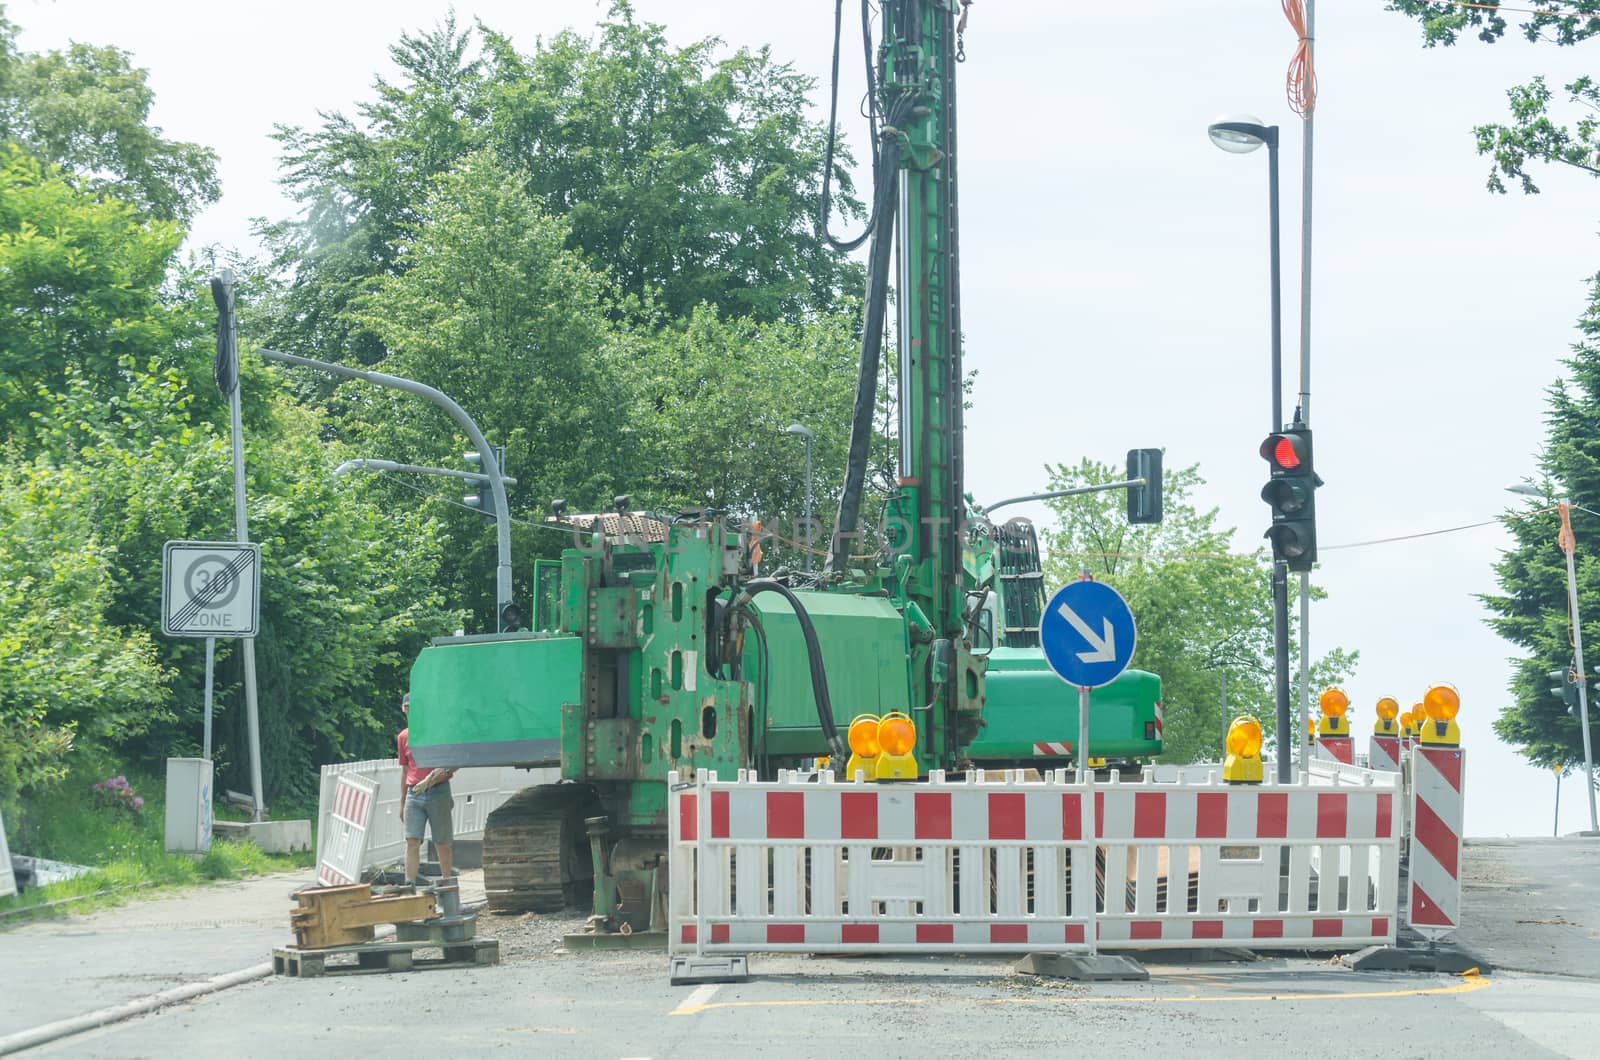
x=819, y=676
x=878, y=262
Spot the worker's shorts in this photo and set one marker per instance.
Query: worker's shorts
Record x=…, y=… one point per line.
x=431, y=808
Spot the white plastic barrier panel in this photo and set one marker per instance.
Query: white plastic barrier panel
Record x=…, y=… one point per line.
x=8, y=881
x=354, y=798
x=1438, y=779
x=477, y=792
x=810, y=864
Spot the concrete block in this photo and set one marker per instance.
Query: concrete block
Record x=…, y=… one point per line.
x=691, y=970
x=273, y=837
x=1448, y=959
x=1083, y=967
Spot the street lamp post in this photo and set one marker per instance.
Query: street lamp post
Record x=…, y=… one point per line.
x=1240, y=136
x=1569, y=546
x=805, y=432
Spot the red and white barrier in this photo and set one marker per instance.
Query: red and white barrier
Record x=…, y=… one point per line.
x=807, y=863
x=1383, y=753
x=354, y=798
x=1437, y=787
x=1336, y=749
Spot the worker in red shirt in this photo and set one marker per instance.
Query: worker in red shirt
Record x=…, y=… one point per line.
x=428, y=804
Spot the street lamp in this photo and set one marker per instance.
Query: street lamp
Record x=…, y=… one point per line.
x=1239, y=136
x=1569, y=545
x=805, y=432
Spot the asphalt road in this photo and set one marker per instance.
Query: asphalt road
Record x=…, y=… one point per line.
x=1528, y=903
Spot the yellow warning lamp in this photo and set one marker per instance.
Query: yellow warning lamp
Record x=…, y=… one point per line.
x=1311, y=731
x=1243, y=764
x=1419, y=714
x=1334, y=703
x=864, y=749
x=897, y=736
x=1442, y=702
x=1387, y=709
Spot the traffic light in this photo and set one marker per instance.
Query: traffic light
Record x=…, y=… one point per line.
x=1565, y=688
x=1144, y=502
x=483, y=500
x=1291, y=493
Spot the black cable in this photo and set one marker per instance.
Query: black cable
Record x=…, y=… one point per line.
x=826, y=205
x=819, y=675
x=763, y=695
x=878, y=262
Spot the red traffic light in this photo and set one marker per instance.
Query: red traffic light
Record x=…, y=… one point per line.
x=1287, y=452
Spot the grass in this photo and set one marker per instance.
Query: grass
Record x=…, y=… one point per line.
x=124, y=849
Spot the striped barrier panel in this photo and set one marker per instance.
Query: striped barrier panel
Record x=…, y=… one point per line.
x=810, y=864
x=1438, y=776
x=8, y=881
x=354, y=799
x=1383, y=753
x=1336, y=749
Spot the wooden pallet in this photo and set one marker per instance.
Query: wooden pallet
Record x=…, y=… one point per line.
x=371, y=957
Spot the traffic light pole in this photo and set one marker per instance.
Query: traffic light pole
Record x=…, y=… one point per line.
x=491, y=465
x=222, y=291
x=1287, y=737
x=1569, y=546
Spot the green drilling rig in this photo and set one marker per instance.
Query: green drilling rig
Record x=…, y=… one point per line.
x=658, y=646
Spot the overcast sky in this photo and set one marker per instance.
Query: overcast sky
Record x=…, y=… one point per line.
x=1115, y=270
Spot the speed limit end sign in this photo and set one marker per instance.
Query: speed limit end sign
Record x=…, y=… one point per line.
x=210, y=589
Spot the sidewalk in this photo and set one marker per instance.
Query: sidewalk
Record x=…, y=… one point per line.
x=56, y=969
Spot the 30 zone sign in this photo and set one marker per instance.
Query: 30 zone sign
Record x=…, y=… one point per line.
x=210, y=589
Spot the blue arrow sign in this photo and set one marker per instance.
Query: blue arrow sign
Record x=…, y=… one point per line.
x=1087, y=633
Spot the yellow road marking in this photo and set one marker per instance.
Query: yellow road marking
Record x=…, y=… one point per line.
x=1466, y=986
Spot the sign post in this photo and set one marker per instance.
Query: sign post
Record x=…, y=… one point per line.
x=1088, y=636
x=211, y=589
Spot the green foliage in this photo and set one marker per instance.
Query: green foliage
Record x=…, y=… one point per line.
x=684, y=177
x=87, y=109
x=1531, y=610
x=1203, y=609
x=67, y=674
x=83, y=278
x=1564, y=22
x=1534, y=137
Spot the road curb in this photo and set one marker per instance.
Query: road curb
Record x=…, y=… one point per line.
x=49, y=1032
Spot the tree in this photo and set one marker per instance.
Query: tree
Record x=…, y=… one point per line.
x=87, y=109
x=69, y=678
x=684, y=177
x=1203, y=609
x=84, y=279
x=1531, y=610
x=492, y=307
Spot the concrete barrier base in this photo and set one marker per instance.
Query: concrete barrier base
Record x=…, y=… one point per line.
x=273, y=837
